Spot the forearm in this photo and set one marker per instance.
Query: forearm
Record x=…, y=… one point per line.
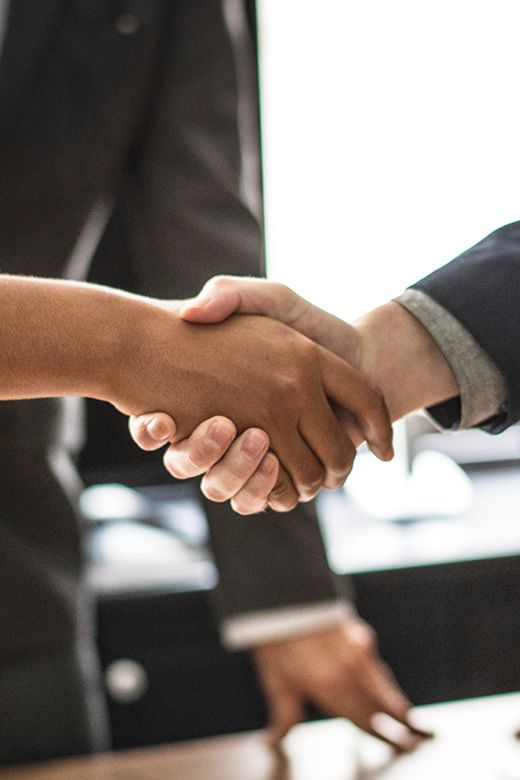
x=401, y=358
x=63, y=338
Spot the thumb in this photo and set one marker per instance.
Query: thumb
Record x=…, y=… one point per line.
x=152, y=431
x=286, y=711
x=225, y=295
x=214, y=303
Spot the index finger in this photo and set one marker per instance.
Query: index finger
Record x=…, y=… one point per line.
x=199, y=452
x=364, y=711
x=348, y=388
x=388, y=698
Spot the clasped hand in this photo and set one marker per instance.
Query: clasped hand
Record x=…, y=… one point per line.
x=281, y=413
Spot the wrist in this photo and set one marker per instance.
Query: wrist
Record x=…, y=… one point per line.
x=111, y=336
x=402, y=359
x=142, y=338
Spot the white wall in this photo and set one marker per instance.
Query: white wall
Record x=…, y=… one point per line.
x=391, y=139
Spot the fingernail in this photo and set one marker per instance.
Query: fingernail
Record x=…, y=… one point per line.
x=157, y=429
x=220, y=432
x=254, y=443
x=384, y=454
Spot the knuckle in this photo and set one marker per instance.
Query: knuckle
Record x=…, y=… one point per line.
x=367, y=642
x=364, y=637
x=310, y=482
x=237, y=472
x=288, y=384
x=335, y=481
x=283, y=497
x=341, y=460
x=197, y=458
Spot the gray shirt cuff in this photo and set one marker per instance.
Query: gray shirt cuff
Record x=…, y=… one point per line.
x=483, y=392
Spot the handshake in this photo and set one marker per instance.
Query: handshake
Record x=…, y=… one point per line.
x=262, y=392
x=286, y=391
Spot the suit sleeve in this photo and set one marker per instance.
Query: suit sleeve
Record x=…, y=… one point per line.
x=274, y=577
x=481, y=290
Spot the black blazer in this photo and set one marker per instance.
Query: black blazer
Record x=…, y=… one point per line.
x=481, y=288
x=130, y=137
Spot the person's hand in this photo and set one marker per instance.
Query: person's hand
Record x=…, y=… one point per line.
x=246, y=475
x=222, y=296
x=241, y=467
x=242, y=475
x=284, y=391
x=388, y=345
x=339, y=671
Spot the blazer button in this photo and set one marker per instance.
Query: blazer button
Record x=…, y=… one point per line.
x=126, y=680
x=127, y=23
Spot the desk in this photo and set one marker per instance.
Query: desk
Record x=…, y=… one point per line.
x=474, y=740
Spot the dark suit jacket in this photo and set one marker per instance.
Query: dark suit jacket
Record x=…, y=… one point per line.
x=481, y=288
x=131, y=138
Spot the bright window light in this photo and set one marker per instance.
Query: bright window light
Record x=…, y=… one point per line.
x=391, y=135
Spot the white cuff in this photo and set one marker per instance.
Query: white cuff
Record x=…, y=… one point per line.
x=257, y=628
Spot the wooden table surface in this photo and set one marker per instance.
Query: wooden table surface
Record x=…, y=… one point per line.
x=474, y=742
